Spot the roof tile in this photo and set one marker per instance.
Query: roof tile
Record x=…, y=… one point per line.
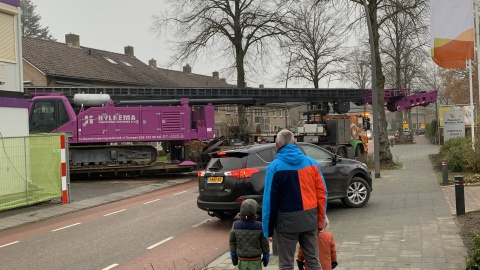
x=63, y=60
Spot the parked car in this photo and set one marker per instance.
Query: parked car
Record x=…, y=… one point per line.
x=407, y=135
x=235, y=175
x=420, y=131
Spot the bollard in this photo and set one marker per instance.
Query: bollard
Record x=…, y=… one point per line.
x=445, y=172
x=459, y=196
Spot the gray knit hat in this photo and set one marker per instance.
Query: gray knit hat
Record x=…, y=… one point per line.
x=249, y=207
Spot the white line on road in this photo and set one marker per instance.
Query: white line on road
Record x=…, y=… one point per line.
x=66, y=227
x=179, y=193
x=9, y=244
x=152, y=201
x=110, y=267
x=205, y=221
x=115, y=212
x=159, y=243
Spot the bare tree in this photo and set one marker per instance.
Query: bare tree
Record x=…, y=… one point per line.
x=239, y=30
x=386, y=9
x=403, y=48
x=404, y=42
x=357, y=69
x=314, y=41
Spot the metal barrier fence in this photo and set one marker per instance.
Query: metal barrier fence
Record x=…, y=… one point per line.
x=31, y=169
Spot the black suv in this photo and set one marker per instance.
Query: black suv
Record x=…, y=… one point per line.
x=235, y=175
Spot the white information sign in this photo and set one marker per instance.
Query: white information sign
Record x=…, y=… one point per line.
x=454, y=125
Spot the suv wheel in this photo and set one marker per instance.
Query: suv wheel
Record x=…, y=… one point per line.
x=358, y=193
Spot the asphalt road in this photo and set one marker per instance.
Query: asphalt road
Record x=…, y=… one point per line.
x=159, y=230
x=83, y=188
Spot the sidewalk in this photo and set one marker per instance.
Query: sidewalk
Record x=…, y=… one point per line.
x=407, y=224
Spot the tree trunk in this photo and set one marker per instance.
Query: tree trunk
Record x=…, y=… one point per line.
x=385, y=154
x=239, y=61
x=242, y=115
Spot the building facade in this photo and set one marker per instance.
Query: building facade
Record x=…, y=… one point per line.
x=13, y=106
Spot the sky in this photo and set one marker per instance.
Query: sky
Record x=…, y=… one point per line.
x=111, y=25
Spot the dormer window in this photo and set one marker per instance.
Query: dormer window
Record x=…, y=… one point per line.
x=111, y=61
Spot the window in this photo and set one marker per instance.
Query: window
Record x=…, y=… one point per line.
x=315, y=153
x=111, y=60
x=280, y=113
x=227, y=110
x=264, y=123
x=7, y=42
x=126, y=64
x=267, y=155
x=274, y=113
x=42, y=118
x=62, y=114
x=217, y=111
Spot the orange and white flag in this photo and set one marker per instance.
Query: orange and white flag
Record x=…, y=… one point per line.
x=452, y=32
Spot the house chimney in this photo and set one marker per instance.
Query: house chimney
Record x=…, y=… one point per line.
x=152, y=63
x=187, y=69
x=72, y=40
x=129, y=51
x=215, y=75
x=260, y=86
x=223, y=80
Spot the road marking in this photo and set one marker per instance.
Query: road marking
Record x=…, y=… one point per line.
x=9, y=244
x=159, y=243
x=179, y=193
x=152, y=201
x=110, y=267
x=115, y=212
x=66, y=227
x=205, y=221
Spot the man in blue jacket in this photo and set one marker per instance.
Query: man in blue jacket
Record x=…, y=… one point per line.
x=294, y=202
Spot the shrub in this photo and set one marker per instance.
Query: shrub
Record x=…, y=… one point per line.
x=472, y=160
x=454, y=151
x=473, y=263
x=460, y=155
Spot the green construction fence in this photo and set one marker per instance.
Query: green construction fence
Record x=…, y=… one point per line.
x=30, y=169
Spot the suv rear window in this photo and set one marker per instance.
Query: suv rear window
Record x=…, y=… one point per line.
x=227, y=163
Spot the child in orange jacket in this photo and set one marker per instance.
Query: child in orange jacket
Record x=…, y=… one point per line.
x=327, y=252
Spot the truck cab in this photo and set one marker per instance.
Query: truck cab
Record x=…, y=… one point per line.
x=48, y=113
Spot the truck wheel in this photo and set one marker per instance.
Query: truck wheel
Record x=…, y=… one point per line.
x=358, y=193
x=342, y=152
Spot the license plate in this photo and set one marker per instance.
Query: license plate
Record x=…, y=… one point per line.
x=215, y=179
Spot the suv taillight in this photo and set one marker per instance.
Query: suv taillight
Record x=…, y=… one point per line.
x=242, y=173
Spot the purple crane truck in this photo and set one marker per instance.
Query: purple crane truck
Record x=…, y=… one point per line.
x=93, y=122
